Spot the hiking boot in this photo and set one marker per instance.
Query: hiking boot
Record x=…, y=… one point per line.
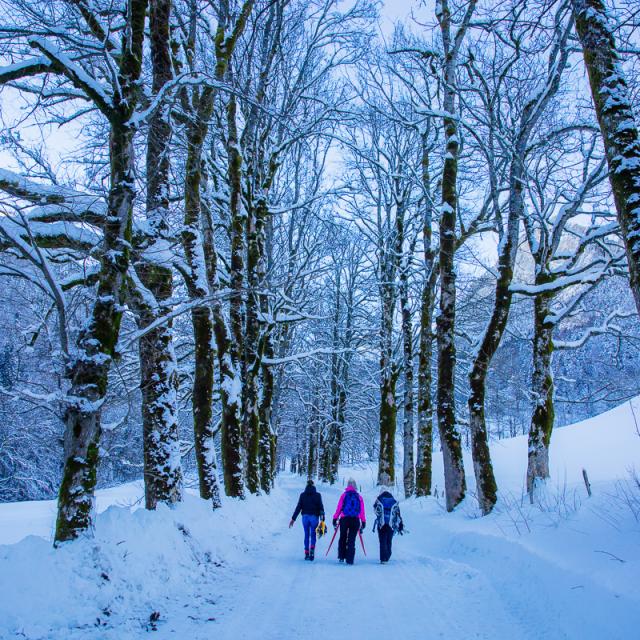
x=341, y=560
x=312, y=554
x=306, y=555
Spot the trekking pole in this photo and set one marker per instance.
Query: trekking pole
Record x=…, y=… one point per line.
x=331, y=543
x=362, y=543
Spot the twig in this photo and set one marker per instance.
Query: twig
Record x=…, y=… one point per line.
x=613, y=557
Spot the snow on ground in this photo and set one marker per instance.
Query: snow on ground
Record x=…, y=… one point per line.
x=565, y=567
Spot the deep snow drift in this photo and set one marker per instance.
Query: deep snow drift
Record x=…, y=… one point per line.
x=565, y=567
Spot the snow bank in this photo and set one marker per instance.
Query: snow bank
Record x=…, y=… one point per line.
x=138, y=563
x=607, y=446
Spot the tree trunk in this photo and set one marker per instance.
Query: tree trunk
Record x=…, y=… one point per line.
x=251, y=416
x=200, y=253
x=97, y=341
x=267, y=437
x=486, y=487
x=612, y=101
x=201, y=315
x=159, y=386
x=408, y=468
x=158, y=366
x=455, y=483
x=232, y=387
x=202, y=404
x=96, y=349
x=425, y=407
x=333, y=440
x=389, y=373
x=230, y=380
x=542, y=392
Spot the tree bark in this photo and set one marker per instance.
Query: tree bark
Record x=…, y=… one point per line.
x=389, y=373
x=408, y=433
x=158, y=366
x=251, y=415
x=201, y=316
x=455, y=482
x=612, y=101
x=267, y=437
x=232, y=388
x=542, y=388
x=97, y=342
x=425, y=347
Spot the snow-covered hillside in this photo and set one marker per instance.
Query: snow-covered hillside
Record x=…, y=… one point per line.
x=565, y=567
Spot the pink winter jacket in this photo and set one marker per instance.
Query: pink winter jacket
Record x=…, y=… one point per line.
x=338, y=513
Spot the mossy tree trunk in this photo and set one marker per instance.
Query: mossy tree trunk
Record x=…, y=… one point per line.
x=542, y=391
x=455, y=483
x=620, y=133
x=425, y=346
x=158, y=366
x=251, y=390
x=388, y=417
x=96, y=347
x=408, y=432
x=267, y=436
x=232, y=388
x=196, y=280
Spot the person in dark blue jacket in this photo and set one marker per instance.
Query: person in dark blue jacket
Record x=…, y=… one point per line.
x=312, y=509
x=388, y=521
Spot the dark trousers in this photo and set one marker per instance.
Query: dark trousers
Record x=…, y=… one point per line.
x=385, y=535
x=349, y=527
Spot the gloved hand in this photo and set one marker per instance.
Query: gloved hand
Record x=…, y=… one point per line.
x=401, y=528
x=335, y=523
x=322, y=518
x=362, y=526
x=291, y=524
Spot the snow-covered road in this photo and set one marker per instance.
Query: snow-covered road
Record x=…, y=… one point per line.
x=416, y=595
x=438, y=584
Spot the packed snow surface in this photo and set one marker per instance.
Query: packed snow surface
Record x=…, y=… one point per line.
x=564, y=567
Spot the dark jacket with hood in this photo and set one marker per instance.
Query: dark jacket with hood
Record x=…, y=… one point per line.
x=310, y=503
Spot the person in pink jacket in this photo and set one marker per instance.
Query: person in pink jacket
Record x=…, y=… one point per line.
x=351, y=518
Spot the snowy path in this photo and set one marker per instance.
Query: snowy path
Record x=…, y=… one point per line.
x=416, y=592
x=439, y=584
x=446, y=580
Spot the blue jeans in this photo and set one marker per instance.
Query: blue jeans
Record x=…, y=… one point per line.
x=309, y=524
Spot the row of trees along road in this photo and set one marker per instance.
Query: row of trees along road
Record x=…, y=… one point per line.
x=279, y=234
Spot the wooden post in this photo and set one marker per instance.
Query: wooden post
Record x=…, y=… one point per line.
x=586, y=481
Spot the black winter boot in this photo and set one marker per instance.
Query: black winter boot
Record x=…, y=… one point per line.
x=312, y=552
x=306, y=554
